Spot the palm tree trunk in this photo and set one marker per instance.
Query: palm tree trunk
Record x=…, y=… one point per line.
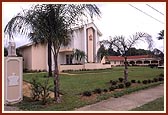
x=49, y=60
x=56, y=81
x=125, y=69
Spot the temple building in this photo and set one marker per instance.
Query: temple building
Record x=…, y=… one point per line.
x=84, y=38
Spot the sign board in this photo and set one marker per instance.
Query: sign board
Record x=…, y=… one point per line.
x=13, y=80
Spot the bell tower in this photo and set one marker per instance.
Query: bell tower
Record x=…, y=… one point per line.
x=90, y=44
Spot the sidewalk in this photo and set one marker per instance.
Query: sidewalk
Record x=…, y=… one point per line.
x=10, y=108
x=126, y=102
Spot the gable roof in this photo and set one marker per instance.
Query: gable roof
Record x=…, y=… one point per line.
x=120, y=58
x=26, y=45
x=114, y=58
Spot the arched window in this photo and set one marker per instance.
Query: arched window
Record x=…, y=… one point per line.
x=132, y=62
x=139, y=62
x=154, y=62
x=146, y=62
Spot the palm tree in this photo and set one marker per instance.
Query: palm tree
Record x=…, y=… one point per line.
x=161, y=35
x=79, y=55
x=50, y=23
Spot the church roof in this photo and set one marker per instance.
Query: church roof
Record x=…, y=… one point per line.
x=120, y=58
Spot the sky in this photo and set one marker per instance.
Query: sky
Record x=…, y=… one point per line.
x=116, y=19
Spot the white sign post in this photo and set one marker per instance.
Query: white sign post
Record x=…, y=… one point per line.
x=13, y=71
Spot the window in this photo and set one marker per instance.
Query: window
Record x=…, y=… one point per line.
x=69, y=59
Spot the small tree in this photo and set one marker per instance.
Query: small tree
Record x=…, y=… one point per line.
x=123, y=45
x=79, y=55
x=161, y=35
x=102, y=52
x=158, y=54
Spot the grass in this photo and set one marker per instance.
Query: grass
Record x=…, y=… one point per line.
x=72, y=85
x=156, y=105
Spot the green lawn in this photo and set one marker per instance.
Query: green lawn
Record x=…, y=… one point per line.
x=72, y=85
x=156, y=105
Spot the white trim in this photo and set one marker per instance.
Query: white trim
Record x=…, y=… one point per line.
x=95, y=46
x=85, y=44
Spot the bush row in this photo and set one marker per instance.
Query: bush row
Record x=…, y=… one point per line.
x=121, y=80
x=119, y=85
x=112, y=88
x=71, y=70
x=156, y=79
x=33, y=71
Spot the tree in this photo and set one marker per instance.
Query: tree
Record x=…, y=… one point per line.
x=124, y=45
x=158, y=54
x=133, y=51
x=102, y=51
x=110, y=51
x=18, y=53
x=50, y=23
x=79, y=55
x=161, y=35
x=5, y=51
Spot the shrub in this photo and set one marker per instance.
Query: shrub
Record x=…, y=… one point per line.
x=117, y=81
x=149, y=81
x=112, y=88
x=98, y=90
x=139, y=81
x=120, y=79
x=120, y=86
x=87, y=93
x=25, y=70
x=45, y=76
x=45, y=91
x=113, y=83
x=44, y=70
x=133, y=81
x=35, y=90
x=144, y=81
x=161, y=75
x=153, y=65
x=128, y=84
x=40, y=90
x=115, y=86
x=161, y=78
x=118, y=94
x=155, y=79
x=105, y=90
x=34, y=71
